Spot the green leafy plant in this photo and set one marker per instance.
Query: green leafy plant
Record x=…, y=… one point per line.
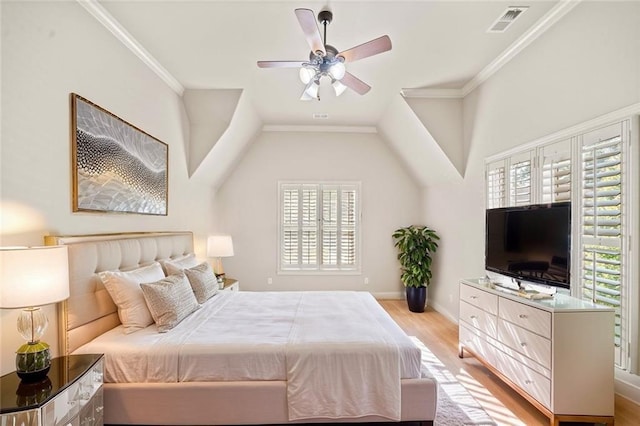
x=415, y=245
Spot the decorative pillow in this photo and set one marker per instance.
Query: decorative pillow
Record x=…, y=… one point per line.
x=173, y=266
x=203, y=281
x=124, y=288
x=170, y=300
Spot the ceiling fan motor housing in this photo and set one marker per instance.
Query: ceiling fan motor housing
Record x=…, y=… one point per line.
x=325, y=17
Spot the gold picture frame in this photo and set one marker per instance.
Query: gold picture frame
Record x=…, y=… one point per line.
x=116, y=167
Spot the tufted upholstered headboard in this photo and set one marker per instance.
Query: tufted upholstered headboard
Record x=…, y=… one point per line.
x=89, y=311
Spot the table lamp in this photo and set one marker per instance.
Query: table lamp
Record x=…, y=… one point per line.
x=29, y=278
x=219, y=246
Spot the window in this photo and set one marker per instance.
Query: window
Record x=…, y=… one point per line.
x=592, y=170
x=556, y=172
x=520, y=179
x=602, y=262
x=496, y=185
x=319, y=227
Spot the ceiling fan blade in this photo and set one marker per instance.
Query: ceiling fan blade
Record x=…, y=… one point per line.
x=355, y=84
x=309, y=25
x=370, y=48
x=280, y=64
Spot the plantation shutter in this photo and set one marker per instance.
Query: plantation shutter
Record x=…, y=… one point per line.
x=289, y=241
x=556, y=172
x=349, y=223
x=299, y=239
x=496, y=185
x=330, y=244
x=602, y=226
x=319, y=227
x=520, y=177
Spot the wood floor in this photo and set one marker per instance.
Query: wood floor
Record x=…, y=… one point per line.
x=504, y=405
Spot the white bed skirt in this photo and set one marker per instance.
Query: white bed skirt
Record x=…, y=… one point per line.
x=235, y=403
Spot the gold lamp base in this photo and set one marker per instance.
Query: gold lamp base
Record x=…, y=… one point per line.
x=33, y=361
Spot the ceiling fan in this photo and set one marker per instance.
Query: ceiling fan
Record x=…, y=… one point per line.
x=325, y=60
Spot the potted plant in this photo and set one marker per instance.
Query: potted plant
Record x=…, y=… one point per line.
x=416, y=244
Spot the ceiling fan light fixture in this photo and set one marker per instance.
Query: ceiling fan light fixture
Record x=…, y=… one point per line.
x=311, y=91
x=307, y=74
x=338, y=87
x=337, y=70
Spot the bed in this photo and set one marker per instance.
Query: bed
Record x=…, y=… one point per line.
x=275, y=374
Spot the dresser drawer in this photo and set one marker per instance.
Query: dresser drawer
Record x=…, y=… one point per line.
x=473, y=340
x=529, y=344
x=479, y=298
x=533, y=383
x=479, y=319
x=527, y=317
x=61, y=409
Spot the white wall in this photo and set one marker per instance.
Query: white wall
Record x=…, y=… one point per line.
x=247, y=206
x=50, y=49
x=586, y=65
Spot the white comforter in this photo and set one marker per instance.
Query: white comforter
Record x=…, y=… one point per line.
x=340, y=352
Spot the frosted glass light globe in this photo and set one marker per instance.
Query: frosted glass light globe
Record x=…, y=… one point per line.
x=337, y=70
x=306, y=74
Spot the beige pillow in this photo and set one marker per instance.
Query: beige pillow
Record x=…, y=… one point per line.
x=173, y=266
x=170, y=300
x=203, y=281
x=124, y=288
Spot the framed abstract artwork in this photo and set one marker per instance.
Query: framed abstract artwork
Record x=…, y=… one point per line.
x=116, y=167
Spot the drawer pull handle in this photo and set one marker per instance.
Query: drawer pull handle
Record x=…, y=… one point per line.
x=473, y=317
x=523, y=344
x=473, y=297
x=528, y=382
x=523, y=316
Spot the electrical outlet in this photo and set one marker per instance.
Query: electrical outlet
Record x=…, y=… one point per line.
x=269, y=280
x=366, y=280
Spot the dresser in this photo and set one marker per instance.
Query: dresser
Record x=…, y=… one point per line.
x=71, y=395
x=557, y=353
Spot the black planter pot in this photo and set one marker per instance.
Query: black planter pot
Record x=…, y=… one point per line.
x=416, y=298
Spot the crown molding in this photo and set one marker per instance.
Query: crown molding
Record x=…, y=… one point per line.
x=322, y=129
x=109, y=22
x=549, y=19
x=432, y=93
x=539, y=28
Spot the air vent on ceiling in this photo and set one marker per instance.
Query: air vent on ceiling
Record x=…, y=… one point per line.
x=507, y=18
x=320, y=115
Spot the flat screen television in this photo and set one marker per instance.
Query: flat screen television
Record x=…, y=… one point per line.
x=530, y=243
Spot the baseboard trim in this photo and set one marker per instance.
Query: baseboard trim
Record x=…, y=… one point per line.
x=388, y=295
x=443, y=311
x=627, y=385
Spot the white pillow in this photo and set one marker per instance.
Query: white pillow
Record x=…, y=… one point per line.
x=124, y=288
x=173, y=266
x=203, y=281
x=170, y=300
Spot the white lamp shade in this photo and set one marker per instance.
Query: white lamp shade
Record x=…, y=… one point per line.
x=219, y=246
x=306, y=74
x=337, y=70
x=33, y=276
x=339, y=87
x=311, y=90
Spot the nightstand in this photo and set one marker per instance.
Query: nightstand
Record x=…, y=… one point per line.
x=231, y=284
x=71, y=395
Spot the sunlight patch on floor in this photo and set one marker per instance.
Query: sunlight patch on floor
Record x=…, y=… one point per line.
x=501, y=414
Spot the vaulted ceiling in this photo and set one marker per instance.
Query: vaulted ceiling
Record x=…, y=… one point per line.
x=207, y=52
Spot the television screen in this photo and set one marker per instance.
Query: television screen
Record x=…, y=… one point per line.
x=530, y=243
